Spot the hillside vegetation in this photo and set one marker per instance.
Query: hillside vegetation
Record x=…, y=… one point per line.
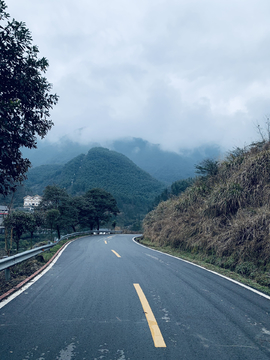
x=165, y=166
x=133, y=188
x=224, y=215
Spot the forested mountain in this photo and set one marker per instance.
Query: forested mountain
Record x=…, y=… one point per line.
x=163, y=165
x=133, y=188
x=40, y=176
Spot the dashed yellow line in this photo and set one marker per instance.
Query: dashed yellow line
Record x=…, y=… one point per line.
x=105, y=242
x=152, y=323
x=116, y=253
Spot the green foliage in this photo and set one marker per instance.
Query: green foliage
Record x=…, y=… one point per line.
x=47, y=255
x=69, y=214
x=31, y=226
x=85, y=212
x=133, y=189
x=40, y=177
x=52, y=220
x=55, y=202
x=180, y=186
x=53, y=197
x=174, y=190
x=39, y=218
x=164, y=166
x=207, y=167
x=96, y=206
x=19, y=223
x=25, y=99
x=103, y=203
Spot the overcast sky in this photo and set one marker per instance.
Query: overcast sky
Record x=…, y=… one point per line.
x=180, y=73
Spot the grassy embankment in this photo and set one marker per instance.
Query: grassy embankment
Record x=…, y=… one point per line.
x=223, y=220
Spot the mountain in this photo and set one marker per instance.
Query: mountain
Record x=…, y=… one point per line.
x=133, y=188
x=39, y=177
x=163, y=165
x=60, y=152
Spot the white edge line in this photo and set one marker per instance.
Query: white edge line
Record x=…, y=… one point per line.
x=31, y=282
x=211, y=271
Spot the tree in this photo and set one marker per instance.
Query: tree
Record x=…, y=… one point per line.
x=35, y=220
x=69, y=212
x=103, y=203
x=207, y=167
x=53, y=197
x=87, y=215
x=180, y=186
x=52, y=220
x=25, y=99
x=31, y=226
x=39, y=218
x=76, y=211
x=18, y=223
x=175, y=189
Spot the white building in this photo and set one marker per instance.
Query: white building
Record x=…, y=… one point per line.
x=29, y=201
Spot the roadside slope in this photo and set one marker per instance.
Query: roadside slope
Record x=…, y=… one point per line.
x=225, y=217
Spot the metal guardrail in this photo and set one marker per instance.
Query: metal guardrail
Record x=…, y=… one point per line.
x=16, y=259
x=9, y=261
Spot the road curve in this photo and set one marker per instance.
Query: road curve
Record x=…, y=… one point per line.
x=107, y=297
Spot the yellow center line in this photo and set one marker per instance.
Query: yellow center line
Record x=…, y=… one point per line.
x=105, y=242
x=116, y=253
x=152, y=323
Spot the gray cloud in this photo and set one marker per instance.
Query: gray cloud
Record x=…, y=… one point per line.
x=178, y=73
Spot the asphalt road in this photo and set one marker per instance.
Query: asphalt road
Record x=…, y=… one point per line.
x=132, y=303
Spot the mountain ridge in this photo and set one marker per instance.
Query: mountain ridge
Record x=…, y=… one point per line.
x=165, y=166
x=133, y=188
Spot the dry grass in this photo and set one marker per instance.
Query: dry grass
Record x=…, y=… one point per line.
x=226, y=216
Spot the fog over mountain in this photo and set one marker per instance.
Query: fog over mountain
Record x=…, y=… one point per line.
x=163, y=165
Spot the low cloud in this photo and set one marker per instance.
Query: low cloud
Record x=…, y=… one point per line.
x=177, y=73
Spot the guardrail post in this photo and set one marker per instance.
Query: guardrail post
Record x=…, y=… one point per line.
x=7, y=274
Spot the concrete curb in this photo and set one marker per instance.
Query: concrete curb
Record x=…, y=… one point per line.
x=17, y=287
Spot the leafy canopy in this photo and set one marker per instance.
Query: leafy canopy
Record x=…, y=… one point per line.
x=89, y=210
x=103, y=203
x=53, y=197
x=20, y=223
x=25, y=99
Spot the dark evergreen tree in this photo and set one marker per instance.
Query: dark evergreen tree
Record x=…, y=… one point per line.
x=103, y=203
